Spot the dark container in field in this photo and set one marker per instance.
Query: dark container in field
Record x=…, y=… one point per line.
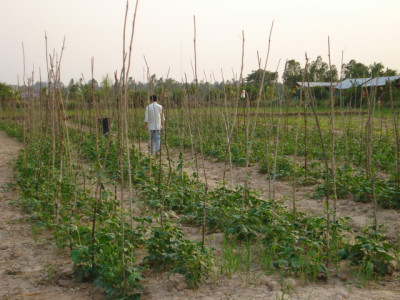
x=105, y=125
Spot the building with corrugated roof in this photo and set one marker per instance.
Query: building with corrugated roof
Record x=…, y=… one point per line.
x=380, y=81
x=352, y=82
x=315, y=84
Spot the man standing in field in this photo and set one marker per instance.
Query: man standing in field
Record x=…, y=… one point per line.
x=154, y=121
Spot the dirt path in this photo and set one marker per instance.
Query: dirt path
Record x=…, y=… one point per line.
x=30, y=269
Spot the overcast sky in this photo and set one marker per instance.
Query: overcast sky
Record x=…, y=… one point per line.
x=366, y=31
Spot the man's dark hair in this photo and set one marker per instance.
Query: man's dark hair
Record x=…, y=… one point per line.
x=153, y=97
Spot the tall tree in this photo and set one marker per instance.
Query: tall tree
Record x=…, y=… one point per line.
x=256, y=76
x=391, y=72
x=377, y=69
x=292, y=73
x=320, y=71
x=354, y=69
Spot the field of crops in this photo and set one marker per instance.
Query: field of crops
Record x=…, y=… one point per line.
x=265, y=192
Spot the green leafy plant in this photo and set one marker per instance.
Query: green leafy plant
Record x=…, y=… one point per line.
x=167, y=248
x=370, y=253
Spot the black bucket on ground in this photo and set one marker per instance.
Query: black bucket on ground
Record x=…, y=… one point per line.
x=105, y=125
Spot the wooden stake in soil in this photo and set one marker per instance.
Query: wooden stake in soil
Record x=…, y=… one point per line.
x=200, y=142
x=327, y=179
x=332, y=123
x=249, y=143
x=295, y=148
x=369, y=129
x=396, y=138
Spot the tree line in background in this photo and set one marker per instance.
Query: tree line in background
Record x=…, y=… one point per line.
x=318, y=71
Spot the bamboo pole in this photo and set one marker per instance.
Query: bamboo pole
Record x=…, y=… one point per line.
x=200, y=140
x=369, y=128
x=249, y=142
x=277, y=140
x=295, y=148
x=126, y=108
x=327, y=178
x=332, y=127
x=121, y=142
x=396, y=139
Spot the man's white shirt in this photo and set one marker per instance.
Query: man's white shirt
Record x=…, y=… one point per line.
x=153, y=116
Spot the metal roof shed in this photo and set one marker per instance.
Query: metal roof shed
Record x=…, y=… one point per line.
x=315, y=84
x=352, y=82
x=380, y=81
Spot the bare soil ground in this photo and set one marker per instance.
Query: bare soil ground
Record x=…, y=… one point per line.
x=30, y=267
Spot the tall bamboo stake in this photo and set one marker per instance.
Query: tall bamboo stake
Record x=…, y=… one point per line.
x=249, y=143
x=121, y=140
x=369, y=127
x=126, y=108
x=332, y=123
x=295, y=148
x=200, y=140
x=281, y=96
x=327, y=179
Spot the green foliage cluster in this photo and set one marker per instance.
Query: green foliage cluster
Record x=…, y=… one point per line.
x=12, y=130
x=284, y=167
x=168, y=248
x=370, y=252
x=355, y=183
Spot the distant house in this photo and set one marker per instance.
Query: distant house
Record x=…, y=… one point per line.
x=316, y=84
x=360, y=87
x=366, y=82
x=381, y=81
x=321, y=93
x=352, y=82
x=363, y=83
